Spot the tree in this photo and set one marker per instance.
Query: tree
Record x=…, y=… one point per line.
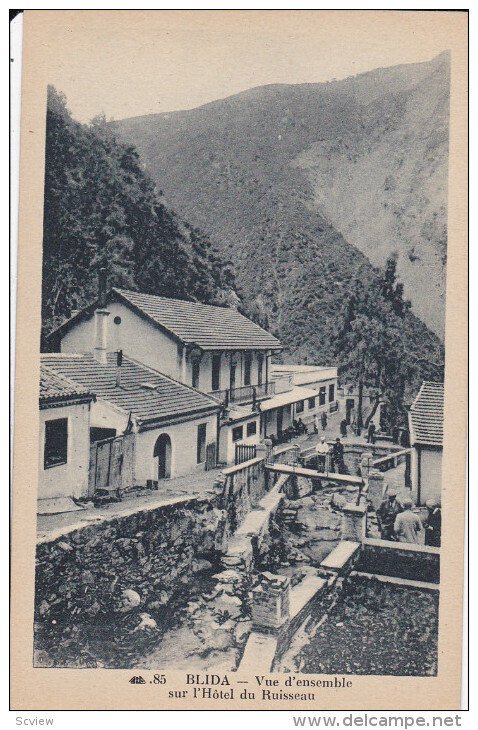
x=371, y=341
x=101, y=210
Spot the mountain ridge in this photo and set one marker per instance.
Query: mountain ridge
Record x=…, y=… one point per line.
x=283, y=175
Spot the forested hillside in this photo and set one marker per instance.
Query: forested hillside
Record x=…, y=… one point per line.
x=293, y=272
x=284, y=177
x=102, y=210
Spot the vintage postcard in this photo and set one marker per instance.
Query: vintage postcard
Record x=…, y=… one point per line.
x=241, y=346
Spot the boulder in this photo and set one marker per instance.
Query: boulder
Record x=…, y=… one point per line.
x=200, y=565
x=228, y=576
x=147, y=622
x=242, y=631
x=129, y=600
x=231, y=604
x=65, y=546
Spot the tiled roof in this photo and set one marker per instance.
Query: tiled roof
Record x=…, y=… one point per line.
x=202, y=324
x=209, y=327
x=147, y=394
x=427, y=415
x=55, y=387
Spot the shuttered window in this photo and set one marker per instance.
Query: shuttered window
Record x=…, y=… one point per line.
x=56, y=443
x=201, y=445
x=252, y=428
x=237, y=433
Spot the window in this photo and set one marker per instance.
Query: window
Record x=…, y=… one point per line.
x=216, y=372
x=196, y=368
x=311, y=403
x=322, y=396
x=299, y=408
x=101, y=434
x=56, y=443
x=237, y=433
x=117, y=320
x=331, y=392
x=247, y=368
x=252, y=428
x=201, y=446
x=260, y=366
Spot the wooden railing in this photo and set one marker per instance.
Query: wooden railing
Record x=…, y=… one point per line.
x=245, y=452
x=244, y=394
x=392, y=460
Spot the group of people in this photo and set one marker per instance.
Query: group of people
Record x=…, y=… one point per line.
x=330, y=459
x=398, y=522
x=371, y=429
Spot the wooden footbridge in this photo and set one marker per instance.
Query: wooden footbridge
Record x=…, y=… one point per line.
x=301, y=471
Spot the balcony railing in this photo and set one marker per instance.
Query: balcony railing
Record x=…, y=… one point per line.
x=244, y=394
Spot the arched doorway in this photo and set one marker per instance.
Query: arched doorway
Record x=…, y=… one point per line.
x=162, y=456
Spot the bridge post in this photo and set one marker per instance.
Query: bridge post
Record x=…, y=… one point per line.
x=366, y=463
x=354, y=522
x=270, y=602
x=376, y=486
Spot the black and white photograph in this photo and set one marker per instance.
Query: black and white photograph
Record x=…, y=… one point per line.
x=242, y=363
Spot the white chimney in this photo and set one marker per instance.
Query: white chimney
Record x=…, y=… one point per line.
x=101, y=321
x=101, y=324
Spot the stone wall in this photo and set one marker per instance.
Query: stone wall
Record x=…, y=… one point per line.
x=244, y=487
x=400, y=560
x=314, y=523
x=97, y=586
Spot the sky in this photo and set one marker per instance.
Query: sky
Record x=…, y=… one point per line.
x=130, y=63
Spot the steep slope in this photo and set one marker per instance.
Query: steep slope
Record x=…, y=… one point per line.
x=101, y=210
x=285, y=178
x=386, y=189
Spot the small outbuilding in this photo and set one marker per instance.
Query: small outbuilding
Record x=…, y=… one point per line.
x=175, y=426
x=64, y=436
x=426, y=418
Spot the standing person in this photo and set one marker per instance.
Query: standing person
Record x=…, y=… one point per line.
x=343, y=427
x=387, y=514
x=371, y=433
x=408, y=526
x=353, y=420
x=323, y=420
x=338, y=456
x=316, y=423
x=322, y=449
x=433, y=524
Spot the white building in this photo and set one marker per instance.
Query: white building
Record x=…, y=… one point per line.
x=301, y=391
x=176, y=426
x=215, y=350
x=64, y=437
x=426, y=418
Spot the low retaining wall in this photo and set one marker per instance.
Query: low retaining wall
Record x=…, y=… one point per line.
x=400, y=560
x=313, y=596
x=243, y=487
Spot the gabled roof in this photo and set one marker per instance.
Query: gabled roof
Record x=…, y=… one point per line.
x=56, y=389
x=427, y=415
x=192, y=323
x=147, y=394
